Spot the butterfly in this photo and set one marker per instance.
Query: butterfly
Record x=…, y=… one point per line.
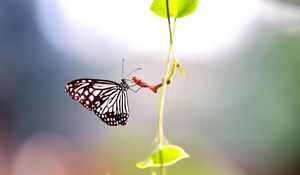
x=106, y=98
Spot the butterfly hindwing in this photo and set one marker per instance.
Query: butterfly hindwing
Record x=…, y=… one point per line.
x=106, y=98
x=114, y=111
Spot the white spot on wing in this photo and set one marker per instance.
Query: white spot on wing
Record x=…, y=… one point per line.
x=91, y=97
x=80, y=91
x=96, y=92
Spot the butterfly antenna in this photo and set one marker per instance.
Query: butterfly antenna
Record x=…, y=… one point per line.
x=122, y=67
x=133, y=71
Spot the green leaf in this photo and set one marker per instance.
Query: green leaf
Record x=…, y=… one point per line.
x=164, y=156
x=177, y=8
x=144, y=164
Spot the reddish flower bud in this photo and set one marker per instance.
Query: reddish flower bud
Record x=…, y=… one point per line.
x=144, y=84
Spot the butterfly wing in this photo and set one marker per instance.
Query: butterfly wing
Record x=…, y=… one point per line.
x=106, y=98
x=114, y=110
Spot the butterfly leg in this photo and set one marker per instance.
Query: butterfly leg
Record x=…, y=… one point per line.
x=135, y=90
x=132, y=85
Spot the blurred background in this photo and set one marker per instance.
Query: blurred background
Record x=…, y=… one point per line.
x=236, y=113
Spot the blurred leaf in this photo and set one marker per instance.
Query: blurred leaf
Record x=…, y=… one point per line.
x=153, y=173
x=144, y=164
x=177, y=8
x=164, y=156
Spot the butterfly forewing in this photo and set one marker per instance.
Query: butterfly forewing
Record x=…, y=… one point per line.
x=106, y=98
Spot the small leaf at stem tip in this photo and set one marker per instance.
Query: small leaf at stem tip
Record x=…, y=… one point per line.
x=177, y=8
x=164, y=156
x=174, y=67
x=181, y=70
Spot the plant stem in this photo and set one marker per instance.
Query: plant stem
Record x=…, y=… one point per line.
x=163, y=93
x=164, y=85
x=162, y=101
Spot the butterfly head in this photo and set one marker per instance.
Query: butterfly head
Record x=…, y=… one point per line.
x=124, y=84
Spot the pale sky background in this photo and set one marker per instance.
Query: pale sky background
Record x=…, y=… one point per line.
x=217, y=26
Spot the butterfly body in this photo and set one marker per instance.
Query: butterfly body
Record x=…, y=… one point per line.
x=106, y=98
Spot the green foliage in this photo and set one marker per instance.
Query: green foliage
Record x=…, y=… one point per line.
x=177, y=8
x=164, y=156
